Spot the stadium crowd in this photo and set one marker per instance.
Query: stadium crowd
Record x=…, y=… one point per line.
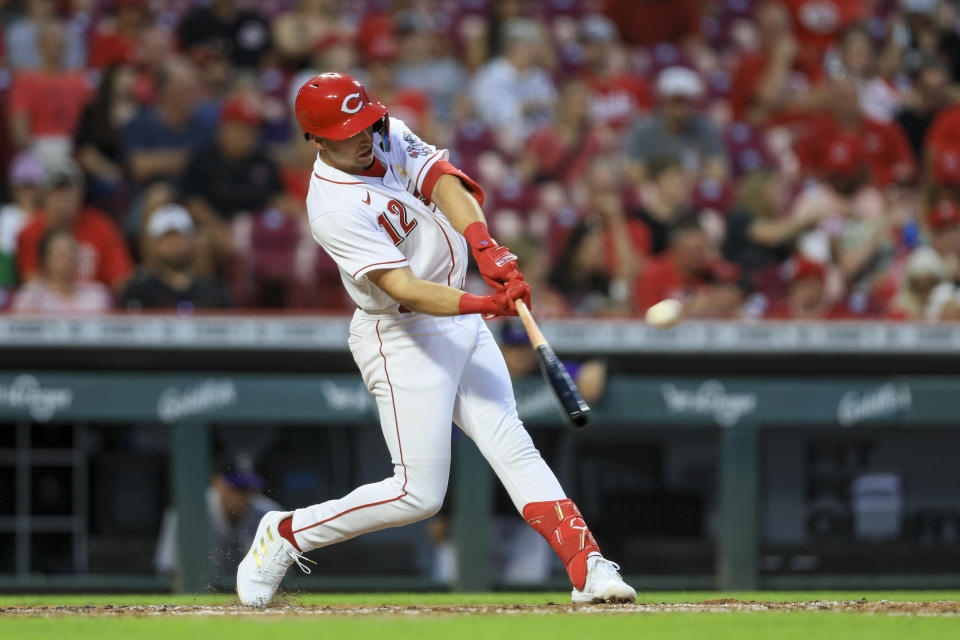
x=754, y=158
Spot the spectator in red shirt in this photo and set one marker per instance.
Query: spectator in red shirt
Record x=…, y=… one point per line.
x=649, y=22
x=103, y=254
x=807, y=298
x=58, y=287
x=945, y=130
x=773, y=83
x=882, y=144
x=616, y=96
x=818, y=23
x=682, y=272
x=946, y=172
x=45, y=104
x=943, y=222
x=116, y=37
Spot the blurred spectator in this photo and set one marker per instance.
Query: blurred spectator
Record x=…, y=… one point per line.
x=102, y=252
x=116, y=36
x=25, y=177
x=563, y=149
x=222, y=24
x=854, y=56
x=157, y=141
x=807, y=297
x=929, y=95
x=167, y=279
x=616, y=97
x=295, y=32
x=57, y=287
x=944, y=132
x=235, y=505
x=98, y=136
x=231, y=176
x=762, y=229
x=45, y=103
x=681, y=272
x=943, y=222
x=666, y=200
x=424, y=64
x=650, y=22
x=817, y=23
x=677, y=129
x=924, y=289
x=23, y=39
x=407, y=104
x=513, y=94
x=882, y=144
x=773, y=82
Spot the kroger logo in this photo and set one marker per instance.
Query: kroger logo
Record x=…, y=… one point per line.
x=709, y=399
x=41, y=403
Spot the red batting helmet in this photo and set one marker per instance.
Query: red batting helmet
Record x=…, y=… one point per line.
x=336, y=106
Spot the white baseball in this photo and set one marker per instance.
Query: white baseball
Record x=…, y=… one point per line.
x=665, y=314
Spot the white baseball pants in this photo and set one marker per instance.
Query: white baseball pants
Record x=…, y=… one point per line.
x=423, y=371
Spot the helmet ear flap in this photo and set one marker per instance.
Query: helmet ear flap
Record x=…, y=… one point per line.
x=382, y=126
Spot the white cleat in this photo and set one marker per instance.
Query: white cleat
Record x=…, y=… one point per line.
x=604, y=584
x=264, y=566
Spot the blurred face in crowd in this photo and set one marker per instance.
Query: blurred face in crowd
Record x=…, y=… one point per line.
x=726, y=300
x=588, y=256
x=179, y=93
x=574, y=103
x=932, y=88
x=845, y=101
x=691, y=251
x=175, y=250
x=238, y=140
x=673, y=186
x=858, y=53
x=353, y=155
x=50, y=44
x=806, y=294
x=773, y=22
x=41, y=9
x=26, y=196
x=946, y=241
x=677, y=110
x=62, y=204
x=60, y=261
x=922, y=284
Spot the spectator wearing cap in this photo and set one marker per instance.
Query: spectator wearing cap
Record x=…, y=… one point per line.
x=678, y=129
x=167, y=279
x=943, y=223
x=929, y=95
x=235, y=505
x=25, y=177
x=158, y=140
x=925, y=289
x=616, y=97
x=98, y=136
x=882, y=145
x=773, y=83
x=103, y=254
x=232, y=176
x=807, y=297
x=56, y=288
x=513, y=94
x=243, y=32
x=46, y=102
x=405, y=103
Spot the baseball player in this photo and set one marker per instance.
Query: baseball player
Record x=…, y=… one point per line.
x=397, y=218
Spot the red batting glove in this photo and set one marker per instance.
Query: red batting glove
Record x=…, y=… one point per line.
x=497, y=264
x=500, y=303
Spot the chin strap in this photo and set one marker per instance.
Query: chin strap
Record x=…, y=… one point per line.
x=382, y=126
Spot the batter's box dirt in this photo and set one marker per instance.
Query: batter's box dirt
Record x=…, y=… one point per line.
x=287, y=610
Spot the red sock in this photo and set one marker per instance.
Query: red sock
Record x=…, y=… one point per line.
x=285, y=529
x=561, y=524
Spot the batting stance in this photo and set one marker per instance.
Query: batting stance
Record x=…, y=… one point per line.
x=397, y=218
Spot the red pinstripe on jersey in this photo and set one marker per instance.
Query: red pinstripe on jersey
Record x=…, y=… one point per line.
x=396, y=423
x=376, y=264
x=334, y=181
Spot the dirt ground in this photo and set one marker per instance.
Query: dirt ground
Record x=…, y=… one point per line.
x=284, y=610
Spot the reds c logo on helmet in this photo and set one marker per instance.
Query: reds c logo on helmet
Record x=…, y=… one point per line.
x=335, y=106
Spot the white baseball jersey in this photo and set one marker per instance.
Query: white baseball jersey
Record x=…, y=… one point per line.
x=367, y=223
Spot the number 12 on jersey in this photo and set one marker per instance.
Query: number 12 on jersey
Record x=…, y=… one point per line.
x=406, y=224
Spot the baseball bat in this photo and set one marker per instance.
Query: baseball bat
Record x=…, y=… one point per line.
x=574, y=406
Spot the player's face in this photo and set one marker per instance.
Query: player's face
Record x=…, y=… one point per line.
x=353, y=155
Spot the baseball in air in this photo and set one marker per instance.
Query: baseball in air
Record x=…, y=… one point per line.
x=665, y=314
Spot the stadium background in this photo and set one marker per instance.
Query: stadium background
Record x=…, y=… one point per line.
x=791, y=161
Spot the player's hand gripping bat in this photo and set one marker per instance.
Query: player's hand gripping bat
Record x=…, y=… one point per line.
x=574, y=406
